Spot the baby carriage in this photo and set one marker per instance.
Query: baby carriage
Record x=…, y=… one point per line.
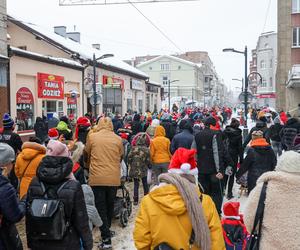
x=123, y=206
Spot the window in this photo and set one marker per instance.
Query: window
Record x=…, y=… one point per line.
x=295, y=6
x=296, y=37
x=3, y=74
x=165, y=66
x=271, y=82
x=179, y=67
x=263, y=64
x=264, y=82
x=271, y=63
x=165, y=80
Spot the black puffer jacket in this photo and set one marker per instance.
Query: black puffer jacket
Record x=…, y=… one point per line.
x=262, y=126
x=259, y=159
x=170, y=128
x=289, y=132
x=53, y=172
x=235, y=140
x=275, y=132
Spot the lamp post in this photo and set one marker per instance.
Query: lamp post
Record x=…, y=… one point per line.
x=94, y=79
x=245, y=53
x=169, y=92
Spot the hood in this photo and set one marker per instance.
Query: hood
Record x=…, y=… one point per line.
x=62, y=126
x=88, y=195
x=260, y=124
x=155, y=123
x=105, y=123
x=142, y=140
x=54, y=169
x=260, y=142
x=281, y=178
x=289, y=162
x=292, y=121
x=160, y=131
x=38, y=120
x=30, y=150
x=231, y=132
x=167, y=197
x=77, y=152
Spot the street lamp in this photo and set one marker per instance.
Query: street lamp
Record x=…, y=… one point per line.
x=245, y=53
x=239, y=80
x=94, y=79
x=169, y=92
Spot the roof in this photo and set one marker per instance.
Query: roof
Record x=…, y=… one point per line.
x=61, y=61
x=69, y=46
x=169, y=57
x=154, y=83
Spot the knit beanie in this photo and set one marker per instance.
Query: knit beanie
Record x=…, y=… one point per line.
x=56, y=148
x=7, y=154
x=257, y=134
x=155, y=123
x=53, y=134
x=7, y=121
x=183, y=162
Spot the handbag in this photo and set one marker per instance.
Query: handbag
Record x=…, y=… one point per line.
x=10, y=237
x=253, y=242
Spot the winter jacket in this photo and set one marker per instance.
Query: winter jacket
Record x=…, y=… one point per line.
x=11, y=209
x=170, y=128
x=63, y=129
x=281, y=222
x=182, y=140
x=41, y=129
x=163, y=217
x=275, y=132
x=136, y=125
x=78, y=162
x=105, y=150
x=139, y=159
x=94, y=217
x=289, y=132
x=205, y=153
x=12, y=139
x=260, y=159
x=117, y=123
x=234, y=141
x=53, y=172
x=27, y=163
x=151, y=131
x=262, y=126
x=160, y=147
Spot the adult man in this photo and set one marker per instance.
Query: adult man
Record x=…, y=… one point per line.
x=185, y=138
x=105, y=151
x=210, y=161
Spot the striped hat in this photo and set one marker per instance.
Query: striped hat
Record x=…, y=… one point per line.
x=7, y=121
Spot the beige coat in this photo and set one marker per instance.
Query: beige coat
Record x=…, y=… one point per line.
x=281, y=223
x=105, y=150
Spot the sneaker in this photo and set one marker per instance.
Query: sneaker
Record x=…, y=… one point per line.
x=135, y=203
x=105, y=245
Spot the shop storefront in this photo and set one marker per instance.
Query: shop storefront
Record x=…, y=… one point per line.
x=137, y=88
x=25, y=109
x=153, y=97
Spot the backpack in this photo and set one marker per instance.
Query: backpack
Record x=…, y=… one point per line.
x=47, y=217
x=235, y=234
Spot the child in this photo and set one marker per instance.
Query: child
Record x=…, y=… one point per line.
x=139, y=161
x=234, y=231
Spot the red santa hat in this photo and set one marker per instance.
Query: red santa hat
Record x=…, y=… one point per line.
x=231, y=209
x=124, y=136
x=183, y=162
x=53, y=134
x=81, y=122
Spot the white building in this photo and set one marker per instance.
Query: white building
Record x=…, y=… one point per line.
x=266, y=66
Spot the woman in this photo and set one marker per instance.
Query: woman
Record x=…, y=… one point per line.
x=233, y=139
x=41, y=129
x=281, y=219
x=176, y=206
x=55, y=174
x=151, y=129
x=160, y=153
x=260, y=159
x=27, y=163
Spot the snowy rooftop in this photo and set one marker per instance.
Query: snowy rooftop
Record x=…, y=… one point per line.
x=85, y=52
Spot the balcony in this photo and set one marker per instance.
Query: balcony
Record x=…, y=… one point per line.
x=294, y=77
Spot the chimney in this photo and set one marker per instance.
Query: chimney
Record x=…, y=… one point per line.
x=60, y=30
x=75, y=36
x=96, y=46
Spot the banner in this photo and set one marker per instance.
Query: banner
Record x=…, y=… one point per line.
x=112, y=82
x=50, y=86
x=24, y=96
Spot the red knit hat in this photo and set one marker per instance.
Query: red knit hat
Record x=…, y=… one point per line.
x=53, y=134
x=81, y=121
x=231, y=208
x=183, y=162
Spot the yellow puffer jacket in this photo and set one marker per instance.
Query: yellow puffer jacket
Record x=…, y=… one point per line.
x=163, y=218
x=160, y=147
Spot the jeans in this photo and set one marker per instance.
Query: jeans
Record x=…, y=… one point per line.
x=104, y=201
x=136, y=188
x=212, y=187
x=277, y=148
x=158, y=169
x=230, y=179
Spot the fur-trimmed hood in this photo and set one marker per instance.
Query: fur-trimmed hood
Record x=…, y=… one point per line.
x=78, y=151
x=31, y=149
x=289, y=162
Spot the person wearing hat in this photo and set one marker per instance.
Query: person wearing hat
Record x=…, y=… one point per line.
x=210, y=160
x=63, y=129
x=260, y=159
x=83, y=126
x=281, y=220
x=175, y=208
x=11, y=210
x=185, y=138
x=54, y=171
x=275, y=136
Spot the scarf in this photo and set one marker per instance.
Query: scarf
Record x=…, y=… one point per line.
x=186, y=187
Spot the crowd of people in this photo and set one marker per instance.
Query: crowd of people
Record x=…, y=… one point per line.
x=64, y=180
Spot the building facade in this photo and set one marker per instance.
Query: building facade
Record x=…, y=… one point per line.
x=288, y=69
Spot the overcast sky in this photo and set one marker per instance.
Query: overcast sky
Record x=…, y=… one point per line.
x=207, y=25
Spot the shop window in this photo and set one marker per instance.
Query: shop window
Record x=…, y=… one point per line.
x=3, y=74
x=60, y=108
x=72, y=107
x=129, y=104
x=25, y=109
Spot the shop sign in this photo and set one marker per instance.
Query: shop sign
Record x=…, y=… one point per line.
x=136, y=85
x=72, y=103
x=263, y=96
x=50, y=86
x=24, y=96
x=112, y=82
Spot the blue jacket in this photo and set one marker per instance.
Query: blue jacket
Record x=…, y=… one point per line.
x=182, y=140
x=11, y=209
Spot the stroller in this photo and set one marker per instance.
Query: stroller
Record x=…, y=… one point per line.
x=123, y=206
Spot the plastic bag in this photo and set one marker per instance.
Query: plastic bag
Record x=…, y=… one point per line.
x=149, y=176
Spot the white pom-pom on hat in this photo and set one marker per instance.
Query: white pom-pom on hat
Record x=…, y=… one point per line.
x=185, y=168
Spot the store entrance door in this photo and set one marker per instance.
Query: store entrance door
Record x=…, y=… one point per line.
x=51, y=107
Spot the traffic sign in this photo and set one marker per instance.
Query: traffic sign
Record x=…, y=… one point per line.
x=242, y=97
x=98, y=99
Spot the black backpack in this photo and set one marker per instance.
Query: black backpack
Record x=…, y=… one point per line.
x=46, y=216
